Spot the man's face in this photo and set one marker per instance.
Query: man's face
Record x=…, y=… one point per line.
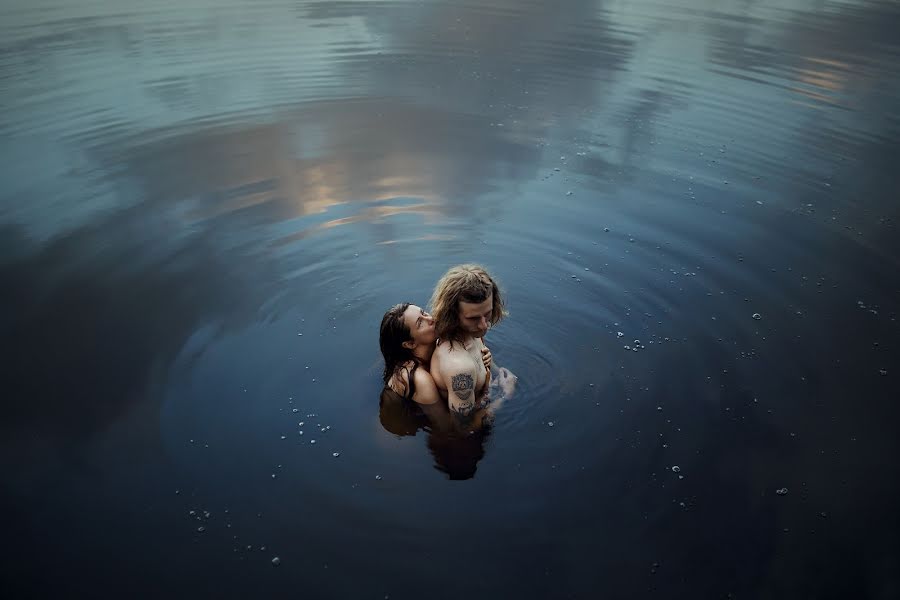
x=475, y=318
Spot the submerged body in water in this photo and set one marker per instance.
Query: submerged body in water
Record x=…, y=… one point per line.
x=455, y=455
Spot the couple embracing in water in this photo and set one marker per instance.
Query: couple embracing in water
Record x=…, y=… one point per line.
x=437, y=363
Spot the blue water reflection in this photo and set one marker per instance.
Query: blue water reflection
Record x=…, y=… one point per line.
x=208, y=206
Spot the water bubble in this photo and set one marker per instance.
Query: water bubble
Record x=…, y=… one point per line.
x=659, y=408
x=378, y=478
x=782, y=491
x=757, y=316
x=550, y=423
x=201, y=529
x=335, y=454
x=276, y=561
x=312, y=441
x=676, y=469
x=619, y=334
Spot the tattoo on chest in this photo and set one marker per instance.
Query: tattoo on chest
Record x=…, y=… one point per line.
x=463, y=385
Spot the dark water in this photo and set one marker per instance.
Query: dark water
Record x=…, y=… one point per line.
x=207, y=206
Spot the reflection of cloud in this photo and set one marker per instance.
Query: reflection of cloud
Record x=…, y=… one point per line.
x=421, y=238
x=796, y=50
x=370, y=152
x=639, y=123
x=506, y=59
x=853, y=69
x=826, y=74
x=137, y=78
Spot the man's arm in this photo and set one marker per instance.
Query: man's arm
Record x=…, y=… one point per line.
x=460, y=381
x=503, y=389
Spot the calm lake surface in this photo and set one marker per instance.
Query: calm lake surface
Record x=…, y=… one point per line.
x=691, y=206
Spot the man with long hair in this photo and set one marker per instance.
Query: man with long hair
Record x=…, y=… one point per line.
x=465, y=304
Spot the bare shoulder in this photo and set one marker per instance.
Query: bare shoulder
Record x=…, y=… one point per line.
x=449, y=354
x=442, y=350
x=443, y=359
x=426, y=390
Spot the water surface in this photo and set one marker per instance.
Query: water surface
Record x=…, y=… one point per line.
x=691, y=208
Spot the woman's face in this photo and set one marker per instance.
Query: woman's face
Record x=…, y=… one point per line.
x=420, y=324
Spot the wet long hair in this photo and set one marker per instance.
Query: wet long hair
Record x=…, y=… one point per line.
x=467, y=283
x=393, y=333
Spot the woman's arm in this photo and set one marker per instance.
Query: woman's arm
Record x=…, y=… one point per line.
x=429, y=400
x=486, y=357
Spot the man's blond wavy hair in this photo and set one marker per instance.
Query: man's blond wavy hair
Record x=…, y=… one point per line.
x=466, y=283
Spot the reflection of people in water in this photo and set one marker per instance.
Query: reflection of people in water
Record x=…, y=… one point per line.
x=455, y=455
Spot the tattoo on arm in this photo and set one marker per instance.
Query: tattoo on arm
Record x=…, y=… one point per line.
x=463, y=385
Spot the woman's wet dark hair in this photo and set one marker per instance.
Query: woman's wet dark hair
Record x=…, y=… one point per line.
x=393, y=333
